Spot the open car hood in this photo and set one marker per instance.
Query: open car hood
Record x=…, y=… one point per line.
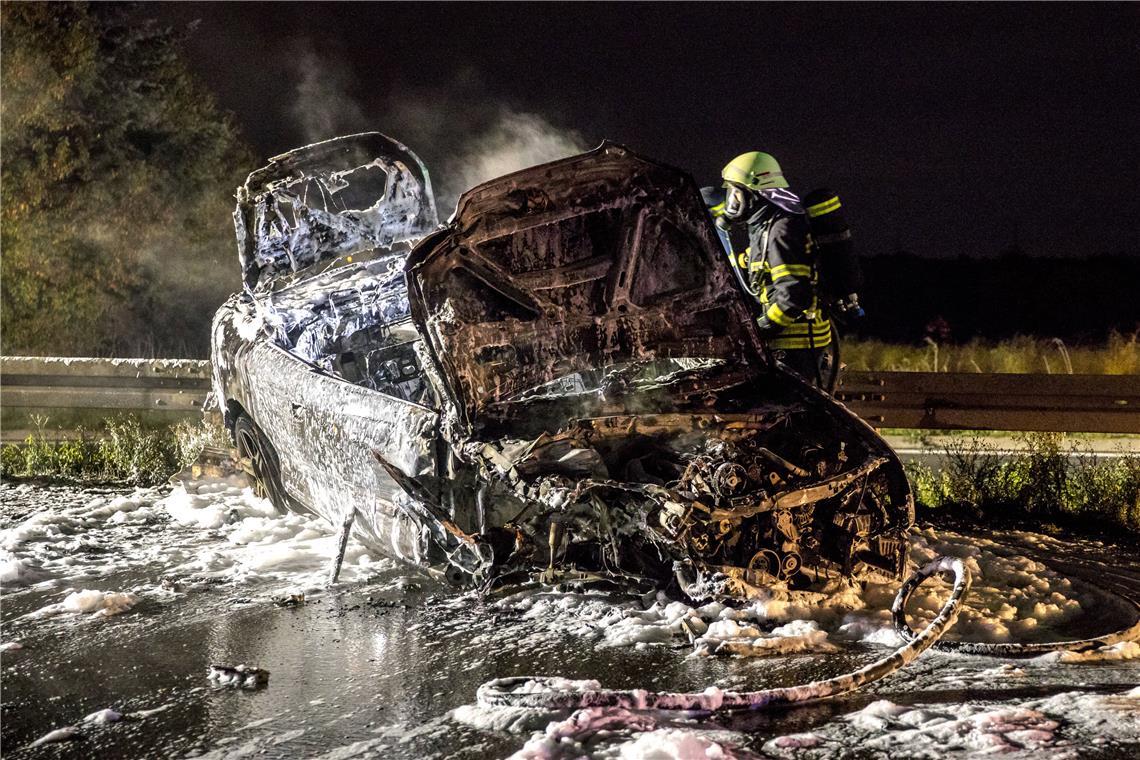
x=599, y=259
x=330, y=199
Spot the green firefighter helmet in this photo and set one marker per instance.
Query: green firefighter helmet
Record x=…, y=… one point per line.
x=755, y=171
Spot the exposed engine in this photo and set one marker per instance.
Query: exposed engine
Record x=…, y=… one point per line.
x=753, y=515
x=735, y=501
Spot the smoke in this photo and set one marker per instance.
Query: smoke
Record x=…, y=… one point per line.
x=462, y=133
x=324, y=106
x=513, y=141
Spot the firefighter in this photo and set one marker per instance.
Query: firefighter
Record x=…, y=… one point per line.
x=780, y=263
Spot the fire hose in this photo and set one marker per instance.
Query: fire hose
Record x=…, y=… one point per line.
x=552, y=693
x=544, y=693
x=1011, y=649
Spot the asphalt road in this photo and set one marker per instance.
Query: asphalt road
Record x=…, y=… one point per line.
x=374, y=668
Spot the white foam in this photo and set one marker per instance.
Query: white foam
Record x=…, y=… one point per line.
x=13, y=571
x=261, y=544
x=513, y=720
x=1013, y=598
x=101, y=602
x=797, y=741
x=1124, y=650
x=672, y=744
x=1056, y=725
x=727, y=637
x=58, y=735
x=103, y=716
x=91, y=602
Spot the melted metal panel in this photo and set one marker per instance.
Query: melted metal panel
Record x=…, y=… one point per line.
x=596, y=260
x=330, y=199
x=323, y=431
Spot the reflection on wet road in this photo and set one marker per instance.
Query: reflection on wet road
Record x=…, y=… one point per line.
x=387, y=664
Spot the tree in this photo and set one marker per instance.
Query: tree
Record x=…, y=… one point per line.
x=118, y=176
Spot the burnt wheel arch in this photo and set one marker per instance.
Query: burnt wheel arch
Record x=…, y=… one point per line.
x=265, y=467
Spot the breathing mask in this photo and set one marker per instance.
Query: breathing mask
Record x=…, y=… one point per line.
x=738, y=203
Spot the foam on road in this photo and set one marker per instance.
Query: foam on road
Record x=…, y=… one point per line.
x=398, y=658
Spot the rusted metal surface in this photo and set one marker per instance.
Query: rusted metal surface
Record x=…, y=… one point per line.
x=592, y=261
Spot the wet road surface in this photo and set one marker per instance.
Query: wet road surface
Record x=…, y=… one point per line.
x=374, y=667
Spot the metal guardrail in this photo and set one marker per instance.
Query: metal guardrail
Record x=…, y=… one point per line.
x=967, y=401
x=62, y=394
x=73, y=392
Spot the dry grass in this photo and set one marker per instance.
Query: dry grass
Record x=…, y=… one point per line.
x=1120, y=355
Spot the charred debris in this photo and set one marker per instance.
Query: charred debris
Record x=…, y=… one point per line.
x=565, y=378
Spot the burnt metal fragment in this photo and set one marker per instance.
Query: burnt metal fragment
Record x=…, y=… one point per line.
x=239, y=676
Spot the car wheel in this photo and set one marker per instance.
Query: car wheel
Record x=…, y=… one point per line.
x=259, y=460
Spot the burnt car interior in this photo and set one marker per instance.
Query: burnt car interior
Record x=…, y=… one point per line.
x=323, y=235
x=352, y=321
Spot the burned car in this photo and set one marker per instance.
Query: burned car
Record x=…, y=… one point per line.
x=564, y=378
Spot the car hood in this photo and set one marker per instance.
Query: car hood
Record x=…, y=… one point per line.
x=596, y=260
x=330, y=199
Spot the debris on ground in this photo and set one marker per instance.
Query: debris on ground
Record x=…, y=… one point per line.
x=239, y=676
x=290, y=600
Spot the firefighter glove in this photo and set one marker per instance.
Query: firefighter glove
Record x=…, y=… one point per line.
x=767, y=327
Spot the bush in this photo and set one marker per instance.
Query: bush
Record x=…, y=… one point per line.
x=1052, y=478
x=190, y=438
x=11, y=461
x=134, y=455
x=1108, y=488
x=125, y=453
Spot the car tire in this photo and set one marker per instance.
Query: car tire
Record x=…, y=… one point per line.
x=260, y=462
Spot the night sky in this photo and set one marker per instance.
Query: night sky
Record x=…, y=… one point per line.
x=947, y=130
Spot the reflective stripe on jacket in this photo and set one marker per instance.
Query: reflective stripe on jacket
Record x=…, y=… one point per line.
x=782, y=269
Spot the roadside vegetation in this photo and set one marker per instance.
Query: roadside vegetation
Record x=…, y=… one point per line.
x=119, y=170
x=1053, y=480
x=125, y=452
x=1120, y=355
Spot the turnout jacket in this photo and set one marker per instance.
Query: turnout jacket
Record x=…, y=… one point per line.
x=783, y=275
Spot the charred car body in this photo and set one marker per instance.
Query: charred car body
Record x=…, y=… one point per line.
x=564, y=376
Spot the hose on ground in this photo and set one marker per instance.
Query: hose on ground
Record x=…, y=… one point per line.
x=898, y=613
x=545, y=693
